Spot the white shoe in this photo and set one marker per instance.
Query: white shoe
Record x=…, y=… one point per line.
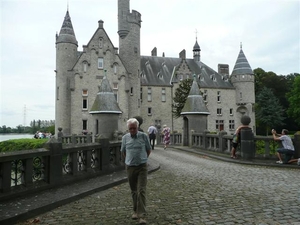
x=142, y=221
x=134, y=216
x=279, y=162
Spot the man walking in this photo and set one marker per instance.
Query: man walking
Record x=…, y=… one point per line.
x=136, y=150
x=152, y=131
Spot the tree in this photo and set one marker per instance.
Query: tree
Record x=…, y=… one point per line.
x=269, y=112
x=181, y=95
x=294, y=100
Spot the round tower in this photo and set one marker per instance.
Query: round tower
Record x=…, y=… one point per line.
x=242, y=78
x=66, y=56
x=129, y=50
x=196, y=52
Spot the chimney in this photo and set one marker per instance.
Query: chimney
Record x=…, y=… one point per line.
x=182, y=54
x=223, y=69
x=154, y=52
x=100, y=24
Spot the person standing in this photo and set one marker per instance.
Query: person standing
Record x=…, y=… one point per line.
x=236, y=140
x=152, y=131
x=286, y=141
x=166, y=132
x=136, y=149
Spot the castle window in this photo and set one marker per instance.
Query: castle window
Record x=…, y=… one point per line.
x=85, y=67
x=219, y=112
x=219, y=125
x=163, y=94
x=100, y=42
x=241, y=96
x=57, y=93
x=115, y=68
x=231, y=124
x=231, y=112
x=149, y=111
x=131, y=91
x=205, y=95
x=219, y=96
x=149, y=94
x=115, y=90
x=100, y=63
x=84, y=125
x=84, y=92
x=84, y=104
x=180, y=77
x=141, y=94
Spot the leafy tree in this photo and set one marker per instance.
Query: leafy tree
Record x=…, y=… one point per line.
x=181, y=94
x=294, y=100
x=269, y=112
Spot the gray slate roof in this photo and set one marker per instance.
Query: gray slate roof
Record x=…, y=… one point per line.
x=242, y=66
x=194, y=103
x=67, y=34
x=105, y=101
x=160, y=71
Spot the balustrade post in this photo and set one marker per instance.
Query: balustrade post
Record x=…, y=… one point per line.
x=222, y=141
x=6, y=176
x=105, y=154
x=54, y=170
x=247, y=143
x=297, y=145
x=205, y=142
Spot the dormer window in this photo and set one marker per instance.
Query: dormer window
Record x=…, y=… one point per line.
x=100, y=63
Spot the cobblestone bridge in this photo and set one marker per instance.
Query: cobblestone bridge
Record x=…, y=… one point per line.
x=193, y=189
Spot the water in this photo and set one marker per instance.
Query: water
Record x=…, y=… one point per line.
x=4, y=137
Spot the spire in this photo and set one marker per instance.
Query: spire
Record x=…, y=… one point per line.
x=66, y=34
x=196, y=50
x=105, y=101
x=242, y=66
x=194, y=103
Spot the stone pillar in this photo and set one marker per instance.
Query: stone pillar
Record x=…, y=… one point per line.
x=55, y=163
x=247, y=140
x=222, y=141
x=297, y=145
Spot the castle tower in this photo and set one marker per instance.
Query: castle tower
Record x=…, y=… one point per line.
x=194, y=113
x=66, y=56
x=129, y=25
x=242, y=78
x=196, y=52
x=105, y=111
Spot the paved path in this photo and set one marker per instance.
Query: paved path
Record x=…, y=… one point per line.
x=194, y=189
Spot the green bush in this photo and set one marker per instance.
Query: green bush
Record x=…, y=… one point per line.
x=260, y=147
x=21, y=144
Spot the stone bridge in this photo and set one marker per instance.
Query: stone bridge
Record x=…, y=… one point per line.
x=187, y=187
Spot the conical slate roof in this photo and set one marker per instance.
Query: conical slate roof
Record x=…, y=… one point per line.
x=242, y=66
x=105, y=101
x=194, y=103
x=196, y=46
x=66, y=34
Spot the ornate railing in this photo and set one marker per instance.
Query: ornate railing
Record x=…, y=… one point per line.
x=32, y=170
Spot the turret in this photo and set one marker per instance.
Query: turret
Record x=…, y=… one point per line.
x=129, y=51
x=196, y=52
x=66, y=56
x=242, y=77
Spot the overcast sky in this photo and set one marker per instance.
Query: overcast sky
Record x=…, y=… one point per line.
x=268, y=29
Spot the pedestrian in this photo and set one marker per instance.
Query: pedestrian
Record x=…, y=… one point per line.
x=236, y=140
x=136, y=149
x=288, y=147
x=152, y=131
x=166, y=132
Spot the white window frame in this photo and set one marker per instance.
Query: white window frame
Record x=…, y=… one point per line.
x=100, y=63
x=218, y=96
x=87, y=103
x=149, y=94
x=219, y=111
x=163, y=94
x=231, y=124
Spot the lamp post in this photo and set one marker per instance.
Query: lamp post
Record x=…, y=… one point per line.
x=172, y=105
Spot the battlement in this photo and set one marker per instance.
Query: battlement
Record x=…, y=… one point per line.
x=135, y=17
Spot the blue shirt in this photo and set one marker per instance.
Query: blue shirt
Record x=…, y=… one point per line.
x=135, y=148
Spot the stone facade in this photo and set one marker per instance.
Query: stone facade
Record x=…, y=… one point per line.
x=143, y=85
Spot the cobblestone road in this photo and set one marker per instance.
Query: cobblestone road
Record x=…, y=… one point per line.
x=192, y=189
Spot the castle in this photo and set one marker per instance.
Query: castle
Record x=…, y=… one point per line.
x=141, y=85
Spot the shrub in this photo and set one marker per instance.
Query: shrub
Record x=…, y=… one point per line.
x=260, y=147
x=21, y=144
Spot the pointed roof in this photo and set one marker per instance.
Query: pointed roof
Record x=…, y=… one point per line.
x=196, y=46
x=105, y=101
x=242, y=66
x=194, y=103
x=66, y=34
